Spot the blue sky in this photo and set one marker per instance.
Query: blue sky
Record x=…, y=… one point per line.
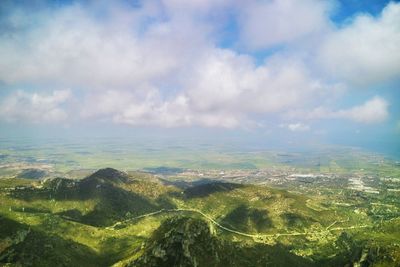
x=286, y=71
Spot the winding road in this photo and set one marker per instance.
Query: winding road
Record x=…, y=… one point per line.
x=255, y=236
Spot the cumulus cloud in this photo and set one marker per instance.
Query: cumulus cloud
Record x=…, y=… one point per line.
x=34, y=107
x=269, y=23
x=161, y=63
x=365, y=51
x=224, y=80
x=73, y=48
x=223, y=89
x=374, y=110
x=151, y=109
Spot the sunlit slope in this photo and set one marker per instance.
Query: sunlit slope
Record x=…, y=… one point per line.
x=29, y=246
x=260, y=209
x=100, y=199
x=135, y=219
x=185, y=241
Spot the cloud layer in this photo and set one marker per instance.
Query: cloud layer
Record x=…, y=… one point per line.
x=271, y=23
x=365, y=51
x=35, y=108
x=374, y=110
x=164, y=63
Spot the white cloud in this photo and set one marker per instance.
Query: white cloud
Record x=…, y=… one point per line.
x=269, y=23
x=372, y=111
x=224, y=80
x=34, y=108
x=73, y=48
x=183, y=7
x=161, y=64
x=150, y=109
x=365, y=51
x=296, y=127
x=223, y=89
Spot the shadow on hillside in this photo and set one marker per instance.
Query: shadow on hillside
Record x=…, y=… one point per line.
x=295, y=220
x=114, y=249
x=30, y=247
x=187, y=241
x=207, y=189
x=248, y=219
x=113, y=202
x=181, y=184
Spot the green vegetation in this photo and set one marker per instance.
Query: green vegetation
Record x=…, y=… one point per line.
x=28, y=246
x=115, y=218
x=248, y=219
x=184, y=241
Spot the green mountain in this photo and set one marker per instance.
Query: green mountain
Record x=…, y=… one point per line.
x=114, y=193
x=247, y=219
x=186, y=242
x=114, y=218
x=23, y=245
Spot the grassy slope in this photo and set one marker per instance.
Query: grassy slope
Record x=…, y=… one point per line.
x=247, y=208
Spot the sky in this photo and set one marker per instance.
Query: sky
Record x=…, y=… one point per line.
x=285, y=71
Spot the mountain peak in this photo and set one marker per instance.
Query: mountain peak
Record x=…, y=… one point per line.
x=109, y=174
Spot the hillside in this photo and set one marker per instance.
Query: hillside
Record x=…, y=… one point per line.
x=136, y=219
x=27, y=246
x=115, y=195
x=185, y=241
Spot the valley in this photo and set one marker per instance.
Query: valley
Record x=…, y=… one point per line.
x=116, y=216
x=199, y=133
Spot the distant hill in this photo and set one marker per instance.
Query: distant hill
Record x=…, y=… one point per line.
x=107, y=175
x=164, y=170
x=114, y=192
x=32, y=174
x=207, y=189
